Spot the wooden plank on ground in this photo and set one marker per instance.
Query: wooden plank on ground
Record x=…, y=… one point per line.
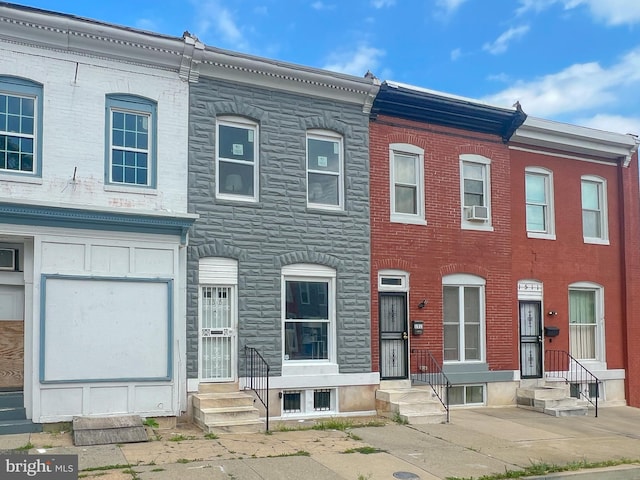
x=108, y=430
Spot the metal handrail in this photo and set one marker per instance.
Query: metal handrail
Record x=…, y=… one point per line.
x=257, y=375
x=561, y=364
x=429, y=372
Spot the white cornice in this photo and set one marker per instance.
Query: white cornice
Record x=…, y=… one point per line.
x=66, y=33
x=575, y=139
x=247, y=69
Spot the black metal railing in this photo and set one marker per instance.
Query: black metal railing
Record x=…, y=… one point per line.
x=582, y=383
x=257, y=377
x=429, y=372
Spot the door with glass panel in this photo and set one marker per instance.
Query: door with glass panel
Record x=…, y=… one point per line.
x=530, y=340
x=394, y=336
x=218, y=357
x=583, y=341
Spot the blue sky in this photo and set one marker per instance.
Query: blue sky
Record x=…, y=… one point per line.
x=575, y=61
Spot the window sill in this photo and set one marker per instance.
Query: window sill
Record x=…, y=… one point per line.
x=478, y=227
x=20, y=178
x=141, y=190
x=238, y=203
x=409, y=220
x=325, y=211
x=597, y=241
x=307, y=367
x=237, y=199
x=541, y=236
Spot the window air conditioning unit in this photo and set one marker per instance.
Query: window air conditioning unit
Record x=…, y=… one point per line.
x=7, y=259
x=477, y=213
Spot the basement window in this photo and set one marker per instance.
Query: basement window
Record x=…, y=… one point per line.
x=292, y=402
x=321, y=400
x=466, y=395
x=578, y=390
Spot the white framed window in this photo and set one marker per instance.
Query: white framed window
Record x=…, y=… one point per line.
x=325, y=170
x=586, y=322
x=309, y=313
x=393, y=280
x=463, y=318
x=475, y=190
x=539, y=203
x=20, y=126
x=407, y=183
x=131, y=140
x=466, y=395
x=319, y=401
x=595, y=223
x=237, y=159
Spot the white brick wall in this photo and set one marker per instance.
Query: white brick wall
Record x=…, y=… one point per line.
x=74, y=130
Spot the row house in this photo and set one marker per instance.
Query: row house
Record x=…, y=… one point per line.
x=93, y=217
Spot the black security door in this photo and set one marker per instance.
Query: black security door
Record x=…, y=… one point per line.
x=393, y=336
x=530, y=340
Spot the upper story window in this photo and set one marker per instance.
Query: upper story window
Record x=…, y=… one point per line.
x=131, y=140
x=20, y=126
x=463, y=317
x=407, y=183
x=539, y=203
x=325, y=183
x=475, y=191
x=237, y=159
x=595, y=227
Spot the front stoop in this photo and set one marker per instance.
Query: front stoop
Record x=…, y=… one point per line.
x=13, y=417
x=554, y=401
x=415, y=405
x=226, y=412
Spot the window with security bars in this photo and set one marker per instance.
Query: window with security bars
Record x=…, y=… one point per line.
x=321, y=400
x=292, y=402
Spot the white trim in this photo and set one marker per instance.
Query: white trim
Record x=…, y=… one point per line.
x=547, y=176
x=394, y=274
x=250, y=126
x=530, y=290
x=486, y=163
x=335, y=138
x=217, y=271
x=601, y=183
x=600, y=362
x=561, y=155
x=417, y=153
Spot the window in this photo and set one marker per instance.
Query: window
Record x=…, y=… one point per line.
x=466, y=395
x=131, y=137
x=20, y=126
x=322, y=400
x=8, y=259
x=539, y=203
x=237, y=159
x=463, y=312
x=324, y=170
x=594, y=210
x=476, y=195
x=309, y=312
x=585, y=312
x=407, y=183
x=297, y=403
x=292, y=402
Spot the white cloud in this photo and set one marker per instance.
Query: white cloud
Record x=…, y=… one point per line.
x=449, y=6
x=383, y=3
x=612, y=123
x=578, y=88
x=322, y=6
x=217, y=21
x=501, y=44
x=611, y=12
x=355, y=62
x=455, y=54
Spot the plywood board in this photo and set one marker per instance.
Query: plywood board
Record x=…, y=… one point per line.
x=11, y=353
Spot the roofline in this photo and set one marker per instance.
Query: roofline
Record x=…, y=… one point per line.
x=430, y=106
x=576, y=139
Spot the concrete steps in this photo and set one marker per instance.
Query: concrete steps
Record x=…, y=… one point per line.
x=551, y=400
x=226, y=411
x=13, y=417
x=415, y=406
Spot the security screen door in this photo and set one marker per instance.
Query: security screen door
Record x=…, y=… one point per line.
x=217, y=334
x=394, y=343
x=530, y=340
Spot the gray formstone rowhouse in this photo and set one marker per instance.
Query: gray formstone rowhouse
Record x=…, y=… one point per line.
x=279, y=258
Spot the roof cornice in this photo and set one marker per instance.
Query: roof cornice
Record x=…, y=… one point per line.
x=68, y=33
x=422, y=105
x=273, y=74
x=574, y=139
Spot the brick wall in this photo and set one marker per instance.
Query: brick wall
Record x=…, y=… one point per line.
x=280, y=229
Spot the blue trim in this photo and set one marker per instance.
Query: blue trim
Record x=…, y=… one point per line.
x=43, y=295
x=20, y=214
x=26, y=87
x=133, y=104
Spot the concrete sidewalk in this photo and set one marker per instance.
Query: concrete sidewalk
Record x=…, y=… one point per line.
x=477, y=442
